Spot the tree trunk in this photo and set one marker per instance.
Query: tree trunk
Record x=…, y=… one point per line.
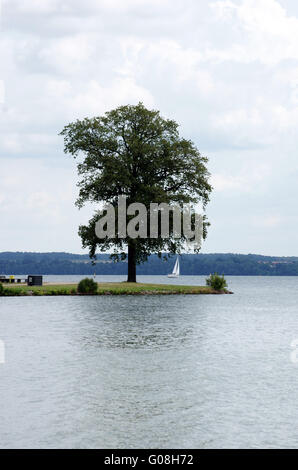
x=132, y=271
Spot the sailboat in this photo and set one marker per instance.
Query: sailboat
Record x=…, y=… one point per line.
x=176, y=270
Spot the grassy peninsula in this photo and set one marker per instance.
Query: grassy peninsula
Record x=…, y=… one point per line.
x=111, y=288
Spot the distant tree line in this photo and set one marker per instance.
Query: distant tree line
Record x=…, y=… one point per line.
x=191, y=264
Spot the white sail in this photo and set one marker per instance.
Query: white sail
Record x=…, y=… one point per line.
x=176, y=270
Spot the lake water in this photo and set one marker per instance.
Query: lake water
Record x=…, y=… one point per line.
x=152, y=372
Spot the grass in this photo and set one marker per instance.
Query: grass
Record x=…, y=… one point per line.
x=112, y=288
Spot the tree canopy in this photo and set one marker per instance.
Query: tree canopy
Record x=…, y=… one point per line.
x=134, y=152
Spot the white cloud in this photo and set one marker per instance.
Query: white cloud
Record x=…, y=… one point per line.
x=267, y=221
x=2, y=92
x=68, y=55
x=248, y=179
x=270, y=34
x=226, y=182
x=96, y=99
x=35, y=6
x=36, y=206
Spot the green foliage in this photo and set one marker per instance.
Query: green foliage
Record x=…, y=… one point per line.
x=1, y=289
x=38, y=293
x=135, y=152
x=87, y=286
x=57, y=291
x=64, y=292
x=13, y=292
x=216, y=282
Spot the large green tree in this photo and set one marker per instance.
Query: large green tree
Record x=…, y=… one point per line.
x=134, y=151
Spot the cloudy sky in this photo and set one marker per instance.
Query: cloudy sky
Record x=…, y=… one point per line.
x=226, y=70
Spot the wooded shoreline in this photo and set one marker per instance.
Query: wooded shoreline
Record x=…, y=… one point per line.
x=201, y=264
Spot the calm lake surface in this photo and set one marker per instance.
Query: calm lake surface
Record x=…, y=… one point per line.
x=152, y=372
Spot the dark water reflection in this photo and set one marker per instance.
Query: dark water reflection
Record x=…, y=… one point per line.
x=145, y=326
